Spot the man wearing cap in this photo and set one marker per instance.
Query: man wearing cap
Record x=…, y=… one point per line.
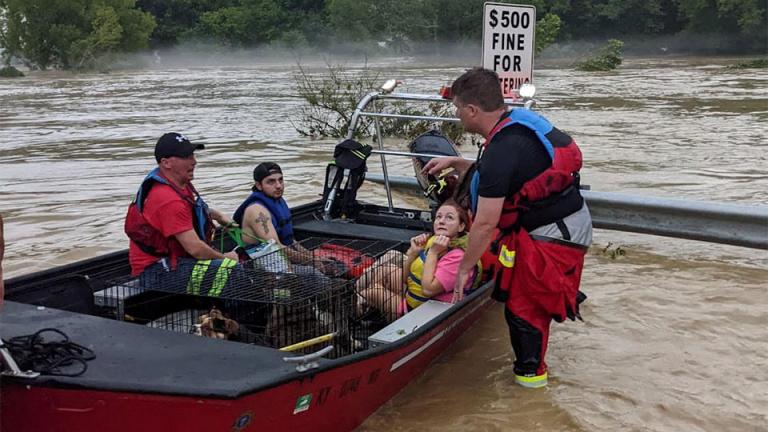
x=265, y=215
x=170, y=226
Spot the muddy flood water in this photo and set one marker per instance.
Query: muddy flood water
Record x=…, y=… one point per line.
x=675, y=336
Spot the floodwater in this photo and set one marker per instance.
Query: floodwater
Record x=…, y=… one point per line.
x=675, y=334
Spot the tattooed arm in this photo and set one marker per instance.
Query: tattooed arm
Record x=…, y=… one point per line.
x=257, y=226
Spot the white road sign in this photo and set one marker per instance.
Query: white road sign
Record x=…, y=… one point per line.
x=508, y=43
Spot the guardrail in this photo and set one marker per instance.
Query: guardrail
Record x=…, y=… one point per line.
x=738, y=225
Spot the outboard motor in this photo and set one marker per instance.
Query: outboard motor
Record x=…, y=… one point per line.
x=440, y=187
x=343, y=177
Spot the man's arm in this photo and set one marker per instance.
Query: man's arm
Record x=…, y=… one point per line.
x=198, y=249
x=257, y=225
x=300, y=255
x=437, y=165
x=480, y=237
x=219, y=217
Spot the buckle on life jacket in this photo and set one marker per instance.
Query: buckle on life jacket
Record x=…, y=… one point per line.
x=507, y=257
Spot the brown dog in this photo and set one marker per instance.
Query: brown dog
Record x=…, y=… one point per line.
x=215, y=325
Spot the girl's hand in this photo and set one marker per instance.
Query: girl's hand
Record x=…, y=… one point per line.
x=440, y=244
x=417, y=244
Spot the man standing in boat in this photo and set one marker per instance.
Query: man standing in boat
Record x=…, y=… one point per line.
x=171, y=227
x=525, y=184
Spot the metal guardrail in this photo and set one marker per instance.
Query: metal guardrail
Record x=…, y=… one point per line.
x=738, y=225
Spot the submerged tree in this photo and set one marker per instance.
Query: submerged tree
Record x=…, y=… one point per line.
x=330, y=99
x=608, y=58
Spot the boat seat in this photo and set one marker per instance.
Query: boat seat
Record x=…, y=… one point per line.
x=408, y=323
x=72, y=293
x=343, y=229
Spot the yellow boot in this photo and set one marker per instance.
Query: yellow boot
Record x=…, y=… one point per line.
x=533, y=381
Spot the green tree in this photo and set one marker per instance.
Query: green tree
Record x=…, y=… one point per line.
x=547, y=30
x=70, y=33
x=746, y=17
x=352, y=19
x=249, y=23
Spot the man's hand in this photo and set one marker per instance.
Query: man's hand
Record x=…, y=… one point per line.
x=232, y=255
x=219, y=217
x=437, y=165
x=458, y=288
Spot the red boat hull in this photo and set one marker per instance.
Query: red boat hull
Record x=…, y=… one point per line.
x=335, y=399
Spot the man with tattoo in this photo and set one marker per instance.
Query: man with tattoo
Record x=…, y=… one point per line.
x=265, y=215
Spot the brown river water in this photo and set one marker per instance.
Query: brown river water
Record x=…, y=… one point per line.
x=675, y=336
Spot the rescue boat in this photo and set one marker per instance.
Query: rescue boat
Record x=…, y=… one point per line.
x=126, y=374
x=131, y=375
x=145, y=378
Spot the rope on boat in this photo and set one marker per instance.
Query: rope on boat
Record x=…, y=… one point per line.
x=52, y=357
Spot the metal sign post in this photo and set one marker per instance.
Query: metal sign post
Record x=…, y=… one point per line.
x=509, y=33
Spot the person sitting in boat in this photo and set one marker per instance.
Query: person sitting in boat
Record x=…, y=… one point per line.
x=265, y=217
x=170, y=227
x=428, y=269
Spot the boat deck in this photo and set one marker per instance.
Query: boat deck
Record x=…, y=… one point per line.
x=132, y=357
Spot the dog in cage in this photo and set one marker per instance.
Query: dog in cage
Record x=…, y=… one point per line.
x=305, y=306
x=217, y=326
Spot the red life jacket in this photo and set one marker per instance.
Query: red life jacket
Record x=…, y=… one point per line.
x=557, y=181
x=148, y=238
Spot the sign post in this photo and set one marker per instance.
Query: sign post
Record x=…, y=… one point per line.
x=509, y=33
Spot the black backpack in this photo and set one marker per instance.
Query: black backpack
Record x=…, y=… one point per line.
x=339, y=196
x=436, y=188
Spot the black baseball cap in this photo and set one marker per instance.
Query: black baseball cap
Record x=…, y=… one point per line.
x=265, y=169
x=174, y=144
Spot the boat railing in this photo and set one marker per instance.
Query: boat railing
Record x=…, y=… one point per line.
x=377, y=113
x=733, y=224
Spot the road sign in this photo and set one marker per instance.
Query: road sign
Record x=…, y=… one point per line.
x=509, y=33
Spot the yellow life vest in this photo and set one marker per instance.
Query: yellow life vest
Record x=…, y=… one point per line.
x=414, y=294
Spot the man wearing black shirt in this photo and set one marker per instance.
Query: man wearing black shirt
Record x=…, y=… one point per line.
x=526, y=200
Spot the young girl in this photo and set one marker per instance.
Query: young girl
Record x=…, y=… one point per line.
x=428, y=271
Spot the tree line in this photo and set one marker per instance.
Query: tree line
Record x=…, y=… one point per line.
x=74, y=33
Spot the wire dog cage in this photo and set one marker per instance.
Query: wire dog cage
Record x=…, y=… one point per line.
x=267, y=300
